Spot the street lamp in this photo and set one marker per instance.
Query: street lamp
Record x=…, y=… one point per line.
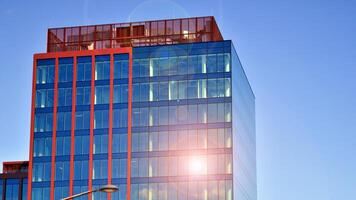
x=105, y=188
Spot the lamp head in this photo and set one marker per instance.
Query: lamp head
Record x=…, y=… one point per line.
x=109, y=188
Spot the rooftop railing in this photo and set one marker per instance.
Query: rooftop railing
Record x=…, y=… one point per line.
x=134, y=34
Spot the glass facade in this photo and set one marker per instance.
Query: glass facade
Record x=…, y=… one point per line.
x=13, y=188
x=189, y=105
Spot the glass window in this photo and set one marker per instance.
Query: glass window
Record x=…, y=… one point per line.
x=116, y=118
x=45, y=74
x=201, y=88
x=116, y=94
x=24, y=189
x=102, y=70
x=144, y=68
x=119, y=168
x=144, y=116
x=182, y=65
x=213, y=190
x=212, y=88
x=163, y=141
x=102, y=94
x=101, y=119
x=212, y=164
x=163, y=91
x=42, y=147
x=195, y=64
x=154, y=92
x=211, y=63
x=83, y=96
x=220, y=113
x=220, y=87
x=44, y=98
x=124, y=93
x=136, y=92
x=153, y=141
x=173, y=66
x=100, y=168
x=153, y=166
x=121, y=68
x=212, y=113
x=202, y=139
x=60, y=192
x=136, y=68
x=182, y=114
x=65, y=72
x=64, y=96
x=62, y=146
x=143, y=145
x=62, y=171
x=163, y=115
x=12, y=189
x=202, y=113
x=84, y=71
x=182, y=139
x=122, y=142
x=192, y=115
x=144, y=92
x=173, y=90
x=220, y=63
x=64, y=121
x=227, y=62
x=228, y=138
x=164, y=67
x=173, y=115
x=119, y=143
x=81, y=145
x=227, y=110
x=173, y=140
x=212, y=138
x=41, y=171
x=123, y=118
x=173, y=191
x=154, y=116
x=135, y=117
x=192, y=89
x=43, y=122
x=227, y=87
x=100, y=144
x=82, y=120
x=182, y=89
x=154, y=66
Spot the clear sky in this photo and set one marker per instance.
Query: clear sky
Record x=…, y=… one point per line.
x=300, y=57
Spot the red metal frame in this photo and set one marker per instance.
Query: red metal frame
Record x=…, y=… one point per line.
x=75, y=54
x=29, y=185
x=110, y=120
x=54, y=128
x=139, y=34
x=129, y=124
x=74, y=92
x=91, y=137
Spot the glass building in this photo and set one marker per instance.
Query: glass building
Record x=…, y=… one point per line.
x=13, y=181
x=162, y=109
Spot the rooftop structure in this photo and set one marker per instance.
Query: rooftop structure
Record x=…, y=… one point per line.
x=133, y=34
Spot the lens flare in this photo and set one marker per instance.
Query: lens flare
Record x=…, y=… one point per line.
x=196, y=165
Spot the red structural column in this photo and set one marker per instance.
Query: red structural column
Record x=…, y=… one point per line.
x=92, y=96
x=29, y=185
x=72, y=133
x=129, y=125
x=110, y=120
x=54, y=129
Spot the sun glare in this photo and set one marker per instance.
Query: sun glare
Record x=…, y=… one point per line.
x=196, y=165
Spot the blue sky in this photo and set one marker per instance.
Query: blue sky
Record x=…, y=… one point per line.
x=299, y=57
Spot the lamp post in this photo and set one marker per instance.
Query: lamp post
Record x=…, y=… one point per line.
x=105, y=188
